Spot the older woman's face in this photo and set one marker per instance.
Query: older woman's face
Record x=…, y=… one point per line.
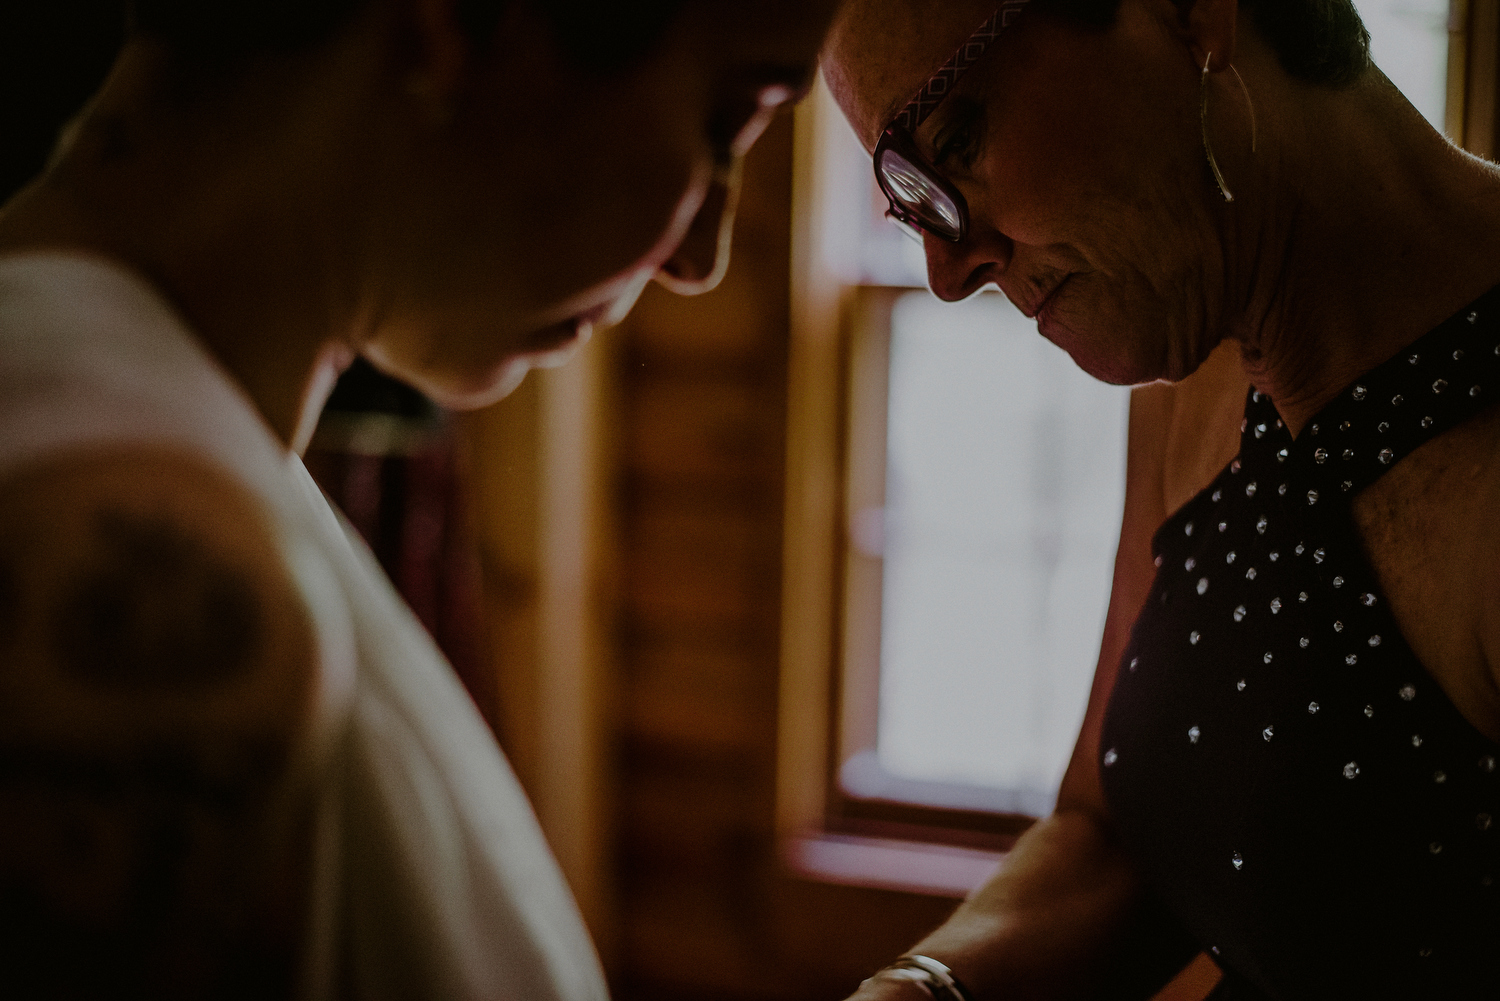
x=1079, y=153
x=544, y=198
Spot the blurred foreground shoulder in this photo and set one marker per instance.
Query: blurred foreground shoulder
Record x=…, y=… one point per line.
x=156, y=664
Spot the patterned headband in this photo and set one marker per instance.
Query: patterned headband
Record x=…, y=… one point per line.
x=946, y=78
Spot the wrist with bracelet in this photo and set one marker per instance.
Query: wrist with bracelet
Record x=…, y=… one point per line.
x=928, y=973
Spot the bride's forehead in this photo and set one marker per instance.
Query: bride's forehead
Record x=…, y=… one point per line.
x=880, y=52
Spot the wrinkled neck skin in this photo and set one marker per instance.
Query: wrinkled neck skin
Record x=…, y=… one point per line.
x=1355, y=229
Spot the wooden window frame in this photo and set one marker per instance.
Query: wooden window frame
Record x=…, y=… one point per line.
x=840, y=336
x=1472, y=115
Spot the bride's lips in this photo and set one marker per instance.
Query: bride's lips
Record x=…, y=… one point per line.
x=567, y=334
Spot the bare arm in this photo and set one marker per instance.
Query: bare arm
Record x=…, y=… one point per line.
x=155, y=662
x=1066, y=916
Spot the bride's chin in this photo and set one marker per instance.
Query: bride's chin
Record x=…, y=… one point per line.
x=471, y=392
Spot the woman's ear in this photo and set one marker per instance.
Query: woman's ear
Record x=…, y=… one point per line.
x=1211, y=28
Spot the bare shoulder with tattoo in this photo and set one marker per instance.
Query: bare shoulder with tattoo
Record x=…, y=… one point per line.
x=155, y=665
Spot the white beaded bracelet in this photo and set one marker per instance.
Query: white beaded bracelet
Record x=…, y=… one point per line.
x=938, y=980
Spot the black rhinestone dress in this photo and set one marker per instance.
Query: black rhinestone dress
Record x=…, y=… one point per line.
x=1288, y=777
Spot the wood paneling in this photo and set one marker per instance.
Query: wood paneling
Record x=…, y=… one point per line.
x=702, y=391
x=707, y=908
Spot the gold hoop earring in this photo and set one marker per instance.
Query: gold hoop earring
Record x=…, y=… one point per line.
x=1203, y=121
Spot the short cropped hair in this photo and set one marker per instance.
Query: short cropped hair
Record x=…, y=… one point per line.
x=604, y=36
x=1321, y=42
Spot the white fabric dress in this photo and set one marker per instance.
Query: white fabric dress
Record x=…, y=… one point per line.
x=431, y=876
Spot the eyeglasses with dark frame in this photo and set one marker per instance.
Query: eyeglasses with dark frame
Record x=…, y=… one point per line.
x=920, y=197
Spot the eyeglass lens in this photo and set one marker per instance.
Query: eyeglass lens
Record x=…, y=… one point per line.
x=919, y=195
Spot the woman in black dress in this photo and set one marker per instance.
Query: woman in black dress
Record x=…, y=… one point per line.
x=1289, y=755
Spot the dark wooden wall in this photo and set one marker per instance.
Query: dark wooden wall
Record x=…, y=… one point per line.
x=702, y=390
x=705, y=911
